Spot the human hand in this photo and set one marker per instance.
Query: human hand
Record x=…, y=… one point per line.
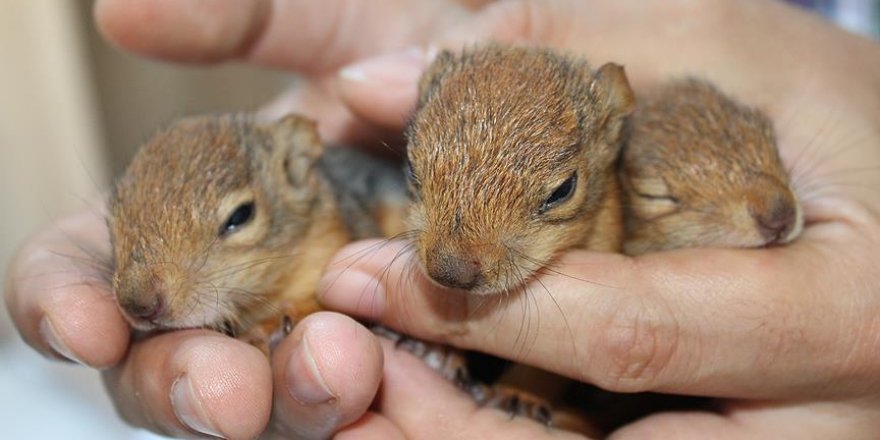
x=393, y=104
x=788, y=335
x=58, y=288
x=183, y=382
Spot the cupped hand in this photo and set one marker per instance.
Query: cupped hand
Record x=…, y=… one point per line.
x=197, y=383
x=194, y=382
x=788, y=336
x=795, y=326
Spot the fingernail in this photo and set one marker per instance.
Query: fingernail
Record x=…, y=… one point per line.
x=353, y=292
x=47, y=330
x=304, y=381
x=403, y=67
x=188, y=407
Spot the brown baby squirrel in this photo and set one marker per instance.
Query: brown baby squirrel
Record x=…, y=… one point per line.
x=227, y=223
x=511, y=159
x=699, y=169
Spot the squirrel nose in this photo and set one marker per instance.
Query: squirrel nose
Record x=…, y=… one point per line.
x=146, y=306
x=776, y=220
x=455, y=272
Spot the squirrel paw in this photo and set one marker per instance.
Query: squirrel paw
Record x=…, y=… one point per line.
x=448, y=361
x=452, y=365
x=268, y=334
x=514, y=402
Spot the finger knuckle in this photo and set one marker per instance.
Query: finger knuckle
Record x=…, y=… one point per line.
x=636, y=347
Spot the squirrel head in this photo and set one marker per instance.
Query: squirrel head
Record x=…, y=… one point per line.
x=206, y=215
x=700, y=169
x=509, y=155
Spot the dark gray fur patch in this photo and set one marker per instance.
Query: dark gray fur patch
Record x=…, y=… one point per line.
x=363, y=184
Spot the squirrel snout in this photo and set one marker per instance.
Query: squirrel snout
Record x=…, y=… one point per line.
x=454, y=271
x=144, y=306
x=775, y=218
x=142, y=298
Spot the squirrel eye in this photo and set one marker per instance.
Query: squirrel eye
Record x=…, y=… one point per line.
x=652, y=189
x=658, y=198
x=562, y=193
x=243, y=214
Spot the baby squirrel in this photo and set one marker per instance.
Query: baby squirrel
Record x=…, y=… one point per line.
x=699, y=169
x=511, y=159
x=227, y=223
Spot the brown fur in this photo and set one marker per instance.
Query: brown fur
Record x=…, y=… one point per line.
x=497, y=130
x=168, y=209
x=699, y=169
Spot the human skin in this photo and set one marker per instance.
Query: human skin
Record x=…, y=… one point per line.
x=790, y=333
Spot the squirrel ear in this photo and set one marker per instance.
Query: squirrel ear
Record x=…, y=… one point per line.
x=430, y=79
x=616, y=96
x=611, y=85
x=297, y=147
